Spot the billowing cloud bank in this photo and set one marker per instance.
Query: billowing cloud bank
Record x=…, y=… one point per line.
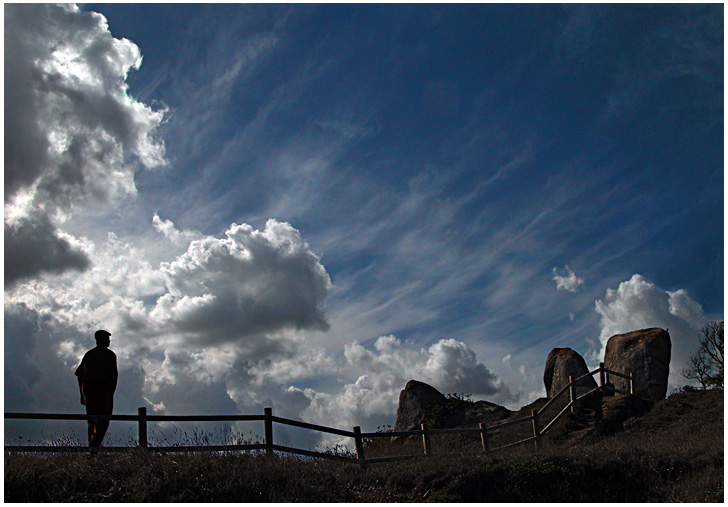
x=448, y=365
x=246, y=290
x=215, y=324
x=639, y=304
x=189, y=325
x=72, y=132
x=245, y=360
x=220, y=329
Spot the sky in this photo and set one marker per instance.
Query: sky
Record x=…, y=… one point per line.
x=303, y=207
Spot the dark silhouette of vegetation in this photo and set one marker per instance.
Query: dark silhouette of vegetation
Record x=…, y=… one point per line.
x=706, y=365
x=672, y=453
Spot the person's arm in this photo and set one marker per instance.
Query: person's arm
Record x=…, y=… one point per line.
x=80, y=374
x=81, y=367
x=116, y=375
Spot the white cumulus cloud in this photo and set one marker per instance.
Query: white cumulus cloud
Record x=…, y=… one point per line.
x=247, y=285
x=448, y=365
x=567, y=280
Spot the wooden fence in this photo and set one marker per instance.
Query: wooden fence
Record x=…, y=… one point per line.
x=142, y=418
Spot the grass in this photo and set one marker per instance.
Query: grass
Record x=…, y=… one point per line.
x=673, y=453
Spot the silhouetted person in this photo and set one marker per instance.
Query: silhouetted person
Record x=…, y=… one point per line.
x=97, y=376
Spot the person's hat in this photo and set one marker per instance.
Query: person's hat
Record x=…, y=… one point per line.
x=101, y=333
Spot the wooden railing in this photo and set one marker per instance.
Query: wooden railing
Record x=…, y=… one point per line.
x=142, y=418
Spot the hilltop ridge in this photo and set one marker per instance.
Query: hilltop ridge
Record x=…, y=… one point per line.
x=672, y=453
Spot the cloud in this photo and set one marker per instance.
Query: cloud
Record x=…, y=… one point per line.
x=189, y=383
x=639, y=304
x=71, y=129
x=569, y=281
x=115, y=293
x=190, y=343
x=448, y=365
x=34, y=246
x=167, y=228
x=223, y=381
x=366, y=394
x=454, y=366
x=254, y=290
x=40, y=356
x=577, y=33
x=304, y=365
x=247, y=285
x=259, y=290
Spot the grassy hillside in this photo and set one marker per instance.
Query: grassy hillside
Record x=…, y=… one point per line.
x=673, y=453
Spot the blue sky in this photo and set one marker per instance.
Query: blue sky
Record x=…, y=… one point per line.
x=305, y=206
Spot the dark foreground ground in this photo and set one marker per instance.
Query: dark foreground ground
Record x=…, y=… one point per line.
x=672, y=454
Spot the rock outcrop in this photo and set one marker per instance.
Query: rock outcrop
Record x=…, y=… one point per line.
x=617, y=410
x=562, y=363
x=414, y=401
x=421, y=403
x=467, y=414
x=645, y=354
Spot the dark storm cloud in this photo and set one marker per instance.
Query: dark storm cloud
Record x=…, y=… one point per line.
x=70, y=128
x=38, y=369
x=34, y=246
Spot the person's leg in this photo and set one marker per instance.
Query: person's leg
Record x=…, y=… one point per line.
x=105, y=405
x=101, y=427
x=91, y=426
x=92, y=407
x=96, y=404
x=87, y=405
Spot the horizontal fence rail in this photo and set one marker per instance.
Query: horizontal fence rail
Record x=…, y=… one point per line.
x=314, y=427
x=269, y=448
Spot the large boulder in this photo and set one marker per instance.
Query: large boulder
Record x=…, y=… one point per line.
x=562, y=363
x=645, y=354
x=414, y=402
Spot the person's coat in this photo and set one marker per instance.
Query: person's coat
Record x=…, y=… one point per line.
x=97, y=374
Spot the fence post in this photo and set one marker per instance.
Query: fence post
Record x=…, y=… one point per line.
x=602, y=380
x=268, y=431
x=536, y=431
x=631, y=383
x=359, y=443
x=483, y=436
x=142, y=413
x=572, y=394
x=426, y=439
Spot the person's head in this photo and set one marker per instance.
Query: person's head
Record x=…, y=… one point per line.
x=102, y=338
